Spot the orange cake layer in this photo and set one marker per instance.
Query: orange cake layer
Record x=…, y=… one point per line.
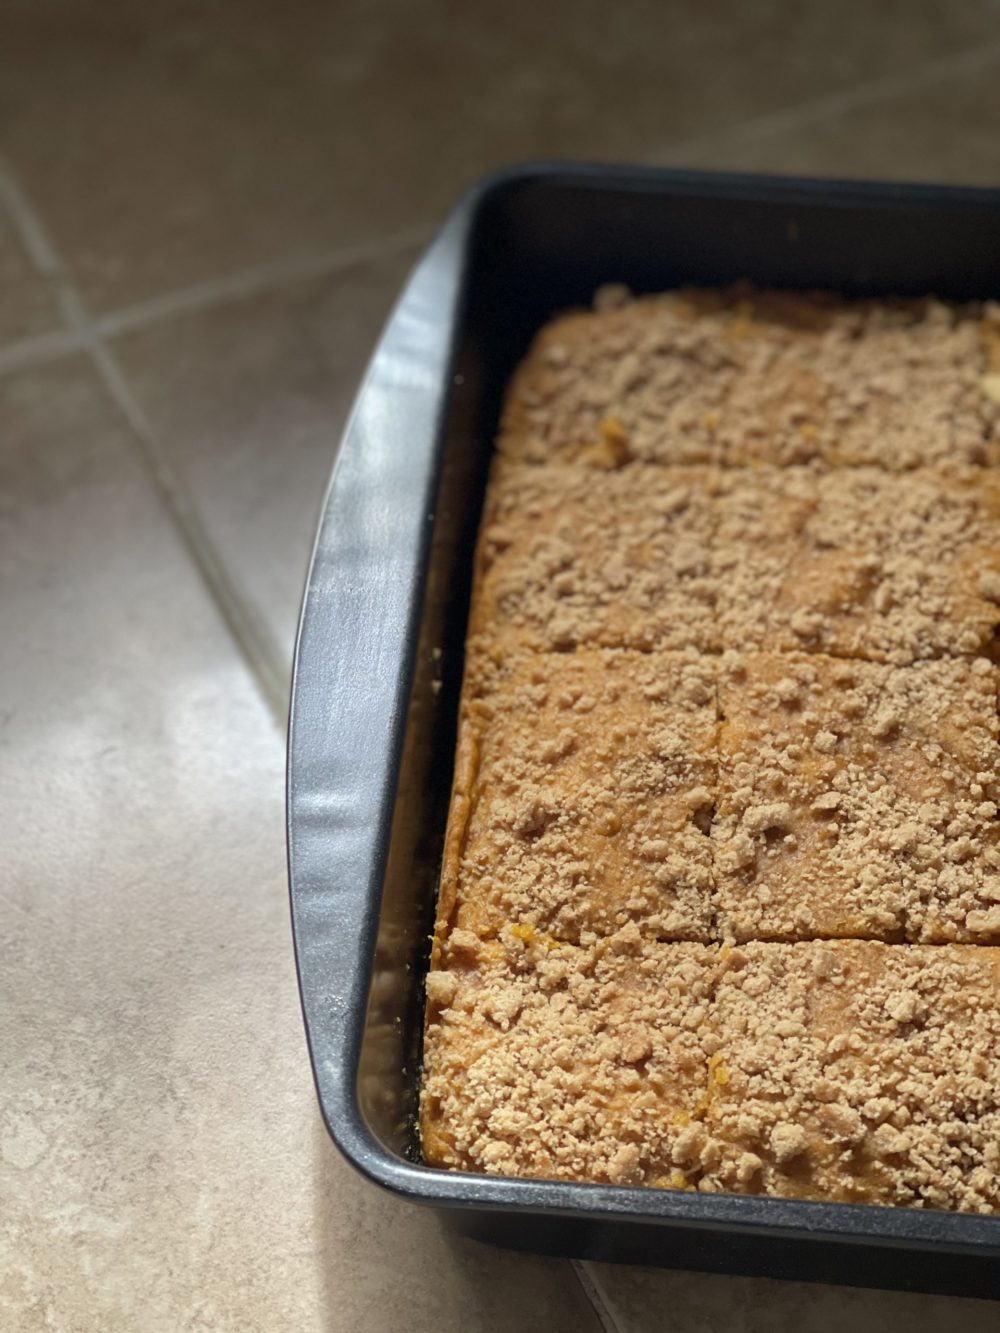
x=585, y=785
x=856, y=799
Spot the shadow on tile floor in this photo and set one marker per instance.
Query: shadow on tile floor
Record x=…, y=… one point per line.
x=408, y=1271
x=649, y=1300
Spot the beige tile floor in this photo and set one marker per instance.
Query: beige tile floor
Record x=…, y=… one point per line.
x=204, y=214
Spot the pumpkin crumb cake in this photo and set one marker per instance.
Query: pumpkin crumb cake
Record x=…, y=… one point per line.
x=617, y=560
x=720, y=900
x=856, y=800
x=858, y=562
x=587, y=783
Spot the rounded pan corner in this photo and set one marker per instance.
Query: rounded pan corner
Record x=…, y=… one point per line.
x=843, y=1224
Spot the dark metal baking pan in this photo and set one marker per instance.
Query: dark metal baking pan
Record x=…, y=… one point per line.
x=379, y=661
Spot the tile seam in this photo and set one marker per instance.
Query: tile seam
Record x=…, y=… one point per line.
x=831, y=106
x=220, y=291
x=256, y=281
x=249, y=636
x=216, y=294
x=38, y=350
x=596, y=1296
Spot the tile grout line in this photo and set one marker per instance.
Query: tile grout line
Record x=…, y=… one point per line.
x=254, y=281
x=594, y=1292
x=831, y=105
x=251, y=639
x=85, y=334
x=210, y=295
x=38, y=350
x=248, y=282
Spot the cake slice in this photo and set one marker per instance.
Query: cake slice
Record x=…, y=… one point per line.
x=859, y=1072
x=584, y=789
x=857, y=799
x=858, y=563
x=618, y=559
x=566, y=1063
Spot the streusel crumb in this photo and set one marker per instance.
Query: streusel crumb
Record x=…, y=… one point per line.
x=745, y=377
x=589, y=782
x=858, y=1071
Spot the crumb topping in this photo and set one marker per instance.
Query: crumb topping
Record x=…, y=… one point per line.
x=563, y=562
x=744, y=377
x=593, y=787
x=720, y=895
x=856, y=799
